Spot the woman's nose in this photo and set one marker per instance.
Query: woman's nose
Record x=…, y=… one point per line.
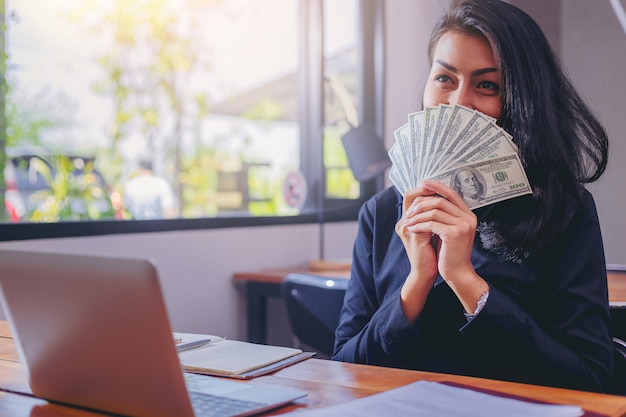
x=461, y=96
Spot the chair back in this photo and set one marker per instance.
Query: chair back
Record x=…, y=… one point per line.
x=618, y=381
x=616, y=275
x=313, y=306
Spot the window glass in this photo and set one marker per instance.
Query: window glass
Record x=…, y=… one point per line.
x=183, y=108
x=200, y=113
x=341, y=66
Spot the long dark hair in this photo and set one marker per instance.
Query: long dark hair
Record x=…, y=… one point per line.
x=562, y=144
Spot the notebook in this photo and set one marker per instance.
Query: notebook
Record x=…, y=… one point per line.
x=93, y=331
x=233, y=358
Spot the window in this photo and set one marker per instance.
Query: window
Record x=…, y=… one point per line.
x=127, y=116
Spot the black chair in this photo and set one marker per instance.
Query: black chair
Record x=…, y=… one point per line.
x=616, y=273
x=313, y=306
x=618, y=321
x=618, y=330
x=618, y=381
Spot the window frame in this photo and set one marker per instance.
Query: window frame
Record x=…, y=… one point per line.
x=317, y=208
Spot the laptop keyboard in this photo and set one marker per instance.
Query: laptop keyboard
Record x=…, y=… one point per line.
x=208, y=405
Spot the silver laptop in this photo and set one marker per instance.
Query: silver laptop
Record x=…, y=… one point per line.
x=94, y=332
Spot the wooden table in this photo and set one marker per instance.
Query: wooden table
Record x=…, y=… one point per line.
x=327, y=383
x=258, y=286
x=617, y=287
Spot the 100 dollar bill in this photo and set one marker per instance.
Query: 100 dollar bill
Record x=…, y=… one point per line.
x=487, y=182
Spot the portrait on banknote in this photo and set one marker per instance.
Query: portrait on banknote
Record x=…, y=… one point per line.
x=470, y=184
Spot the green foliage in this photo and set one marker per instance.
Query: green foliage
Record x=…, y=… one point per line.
x=3, y=94
x=71, y=194
x=260, y=196
x=199, y=183
x=265, y=191
x=340, y=182
x=265, y=109
x=27, y=118
x=154, y=56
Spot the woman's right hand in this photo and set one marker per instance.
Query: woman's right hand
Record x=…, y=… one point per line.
x=421, y=252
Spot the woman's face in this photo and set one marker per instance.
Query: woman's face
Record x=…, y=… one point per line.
x=464, y=72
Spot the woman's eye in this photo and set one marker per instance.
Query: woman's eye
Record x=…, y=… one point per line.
x=488, y=85
x=443, y=79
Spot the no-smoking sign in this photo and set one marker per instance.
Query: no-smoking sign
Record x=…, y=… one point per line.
x=294, y=189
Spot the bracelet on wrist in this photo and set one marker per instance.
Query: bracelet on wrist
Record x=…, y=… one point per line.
x=479, y=306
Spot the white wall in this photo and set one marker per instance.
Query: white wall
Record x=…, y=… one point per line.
x=408, y=26
x=594, y=49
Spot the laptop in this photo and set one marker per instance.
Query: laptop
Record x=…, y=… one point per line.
x=93, y=332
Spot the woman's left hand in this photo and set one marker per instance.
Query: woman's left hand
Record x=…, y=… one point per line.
x=449, y=218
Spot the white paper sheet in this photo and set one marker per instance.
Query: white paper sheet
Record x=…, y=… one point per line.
x=432, y=399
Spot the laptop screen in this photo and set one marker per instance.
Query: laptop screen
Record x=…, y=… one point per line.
x=93, y=331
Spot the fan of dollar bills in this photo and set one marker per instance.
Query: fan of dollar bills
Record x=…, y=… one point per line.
x=459, y=147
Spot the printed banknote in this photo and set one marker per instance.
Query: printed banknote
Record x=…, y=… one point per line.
x=462, y=148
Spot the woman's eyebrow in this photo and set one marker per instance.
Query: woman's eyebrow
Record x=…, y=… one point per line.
x=474, y=73
x=482, y=71
x=447, y=66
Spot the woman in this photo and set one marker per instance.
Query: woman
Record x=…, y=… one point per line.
x=515, y=290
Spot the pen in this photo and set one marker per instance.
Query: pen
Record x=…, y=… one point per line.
x=192, y=345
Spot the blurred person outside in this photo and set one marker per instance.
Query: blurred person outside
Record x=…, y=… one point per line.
x=147, y=196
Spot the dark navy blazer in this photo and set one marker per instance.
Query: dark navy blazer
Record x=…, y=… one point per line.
x=546, y=320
